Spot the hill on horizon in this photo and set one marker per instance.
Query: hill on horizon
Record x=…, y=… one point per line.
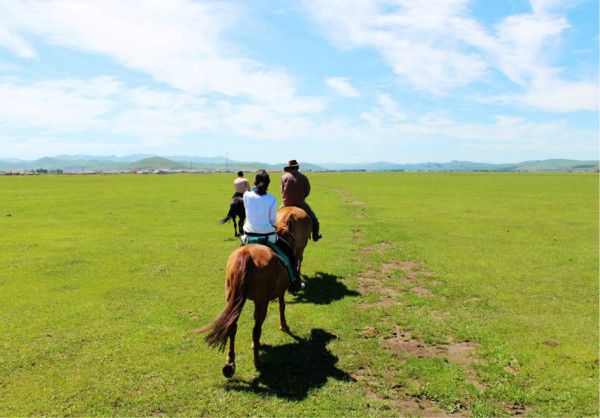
x=145, y=162
x=156, y=163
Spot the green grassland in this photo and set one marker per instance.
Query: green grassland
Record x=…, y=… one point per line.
x=105, y=281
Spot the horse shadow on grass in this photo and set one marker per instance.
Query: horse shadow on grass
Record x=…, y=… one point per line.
x=291, y=370
x=322, y=289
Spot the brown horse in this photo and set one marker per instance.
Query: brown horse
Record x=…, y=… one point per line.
x=254, y=272
x=296, y=227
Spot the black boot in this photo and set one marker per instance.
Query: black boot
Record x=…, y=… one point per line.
x=297, y=285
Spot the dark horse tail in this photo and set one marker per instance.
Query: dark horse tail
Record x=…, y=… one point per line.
x=222, y=327
x=230, y=215
x=233, y=208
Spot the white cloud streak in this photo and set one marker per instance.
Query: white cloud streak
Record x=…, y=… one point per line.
x=177, y=42
x=342, y=87
x=206, y=86
x=437, y=46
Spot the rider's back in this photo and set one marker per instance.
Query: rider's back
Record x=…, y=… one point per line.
x=260, y=212
x=295, y=188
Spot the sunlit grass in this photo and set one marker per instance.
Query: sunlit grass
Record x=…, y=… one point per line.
x=104, y=281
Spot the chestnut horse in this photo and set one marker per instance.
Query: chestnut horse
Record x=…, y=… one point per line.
x=296, y=227
x=254, y=272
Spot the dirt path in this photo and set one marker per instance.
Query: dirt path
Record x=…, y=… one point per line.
x=389, y=281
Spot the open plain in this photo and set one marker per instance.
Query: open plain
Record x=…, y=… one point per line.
x=431, y=294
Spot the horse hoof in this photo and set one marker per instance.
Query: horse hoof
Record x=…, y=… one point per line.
x=228, y=370
x=284, y=328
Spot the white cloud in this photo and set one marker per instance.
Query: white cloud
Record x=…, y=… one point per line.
x=89, y=111
x=15, y=43
x=104, y=104
x=436, y=45
x=414, y=38
x=342, y=87
x=554, y=95
x=65, y=105
x=387, y=112
x=177, y=42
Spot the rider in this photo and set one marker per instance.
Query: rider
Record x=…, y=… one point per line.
x=261, y=209
x=240, y=184
x=296, y=188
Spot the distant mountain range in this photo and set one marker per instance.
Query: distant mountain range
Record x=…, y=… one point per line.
x=178, y=162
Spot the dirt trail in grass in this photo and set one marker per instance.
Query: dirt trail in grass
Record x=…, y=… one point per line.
x=389, y=280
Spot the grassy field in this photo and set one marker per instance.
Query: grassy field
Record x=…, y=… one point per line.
x=455, y=293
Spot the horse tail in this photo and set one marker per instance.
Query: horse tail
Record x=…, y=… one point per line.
x=230, y=214
x=221, y=328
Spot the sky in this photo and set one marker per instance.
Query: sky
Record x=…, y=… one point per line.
x=318, y=81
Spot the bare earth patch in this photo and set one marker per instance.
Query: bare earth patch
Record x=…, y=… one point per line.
x=412, y=406
x=516, y=409
x=404, y=405
x=368, y=332
x=379, y=247
x=421, y=291
x=369, y=283
x=461, y=353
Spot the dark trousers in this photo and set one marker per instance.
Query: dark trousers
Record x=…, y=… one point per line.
x=312, y=216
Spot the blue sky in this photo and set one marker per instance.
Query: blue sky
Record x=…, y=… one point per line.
x=319, y=81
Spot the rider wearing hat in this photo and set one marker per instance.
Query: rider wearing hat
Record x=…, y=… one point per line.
x=295, y=188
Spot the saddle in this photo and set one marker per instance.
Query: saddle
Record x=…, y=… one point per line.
x=270, y=242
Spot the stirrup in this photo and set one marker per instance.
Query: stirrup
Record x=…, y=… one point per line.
x=317, y=237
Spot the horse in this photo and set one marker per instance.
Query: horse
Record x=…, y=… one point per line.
x=295, y=225
x=255, y=272
x=236, y=210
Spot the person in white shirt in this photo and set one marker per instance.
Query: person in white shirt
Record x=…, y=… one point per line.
x=261, y=213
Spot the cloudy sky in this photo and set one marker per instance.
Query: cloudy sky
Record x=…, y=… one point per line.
x=329, y=80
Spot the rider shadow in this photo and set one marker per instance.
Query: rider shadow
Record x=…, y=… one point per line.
x=291, y=370
x=322, y=289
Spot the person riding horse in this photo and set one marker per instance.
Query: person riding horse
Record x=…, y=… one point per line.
x=261, y=212
x=295, y=188
x=236, y=205
x=241, y=185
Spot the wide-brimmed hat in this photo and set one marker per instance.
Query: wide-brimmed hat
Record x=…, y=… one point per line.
x=291, y=164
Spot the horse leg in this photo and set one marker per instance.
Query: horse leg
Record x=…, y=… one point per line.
x=260, y=312
x=300, y=265
x=235, y=229
x=282, y=322
x=241, y=219
x=229, y=367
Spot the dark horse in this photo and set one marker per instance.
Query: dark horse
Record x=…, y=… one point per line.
x=254, y=272
x=236, y=210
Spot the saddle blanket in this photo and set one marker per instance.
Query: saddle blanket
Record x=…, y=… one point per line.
x=269, y=241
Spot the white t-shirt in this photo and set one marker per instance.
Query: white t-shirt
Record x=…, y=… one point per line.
x=261, y=212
